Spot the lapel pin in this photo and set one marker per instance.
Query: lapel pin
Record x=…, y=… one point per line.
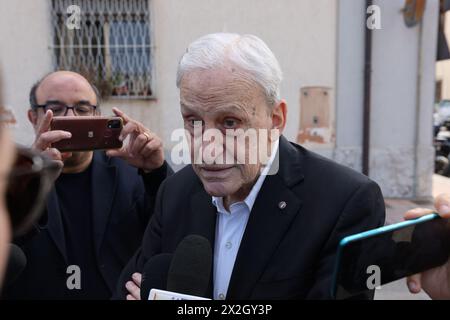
x=282, y=205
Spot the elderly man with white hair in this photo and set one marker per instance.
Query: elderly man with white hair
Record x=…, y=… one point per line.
x=274, y=224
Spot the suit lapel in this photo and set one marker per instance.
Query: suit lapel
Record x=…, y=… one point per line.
x=275, y=208
x=103, y=186
x=55, y=224
x=204, y=214
x=203, y=222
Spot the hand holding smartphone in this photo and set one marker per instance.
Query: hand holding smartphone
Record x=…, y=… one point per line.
x=88, y=133
x=390, y=253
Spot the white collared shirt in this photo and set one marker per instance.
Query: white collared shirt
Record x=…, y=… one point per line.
x=230, y=227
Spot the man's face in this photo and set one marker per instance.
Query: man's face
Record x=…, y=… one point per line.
x=223, y=99
x=65, y=88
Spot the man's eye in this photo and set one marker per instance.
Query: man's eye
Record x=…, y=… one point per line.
x=230, y=123
x=82, y=110
x=56, y=108
x=195, y=123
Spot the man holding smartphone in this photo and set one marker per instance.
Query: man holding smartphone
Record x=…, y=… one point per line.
x=435, y=282
x=101, y=203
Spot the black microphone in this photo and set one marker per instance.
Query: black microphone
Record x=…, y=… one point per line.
x=16, y=264
x=154, y=275
x=190, y=270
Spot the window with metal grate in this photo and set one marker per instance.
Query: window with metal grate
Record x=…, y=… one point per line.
x=107, y=41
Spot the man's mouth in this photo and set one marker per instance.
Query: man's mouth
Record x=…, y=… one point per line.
x=215, y=167
x=215, y=171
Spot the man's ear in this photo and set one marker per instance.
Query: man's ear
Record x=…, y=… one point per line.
x=279, y=114
x=33, y=117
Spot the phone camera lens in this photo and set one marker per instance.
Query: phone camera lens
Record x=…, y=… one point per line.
x=114, y=124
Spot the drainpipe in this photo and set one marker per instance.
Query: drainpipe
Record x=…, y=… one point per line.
x=417, y=120
x=367, y=93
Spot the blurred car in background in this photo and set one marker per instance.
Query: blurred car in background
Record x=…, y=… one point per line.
x=441, y=115
x=441, y=119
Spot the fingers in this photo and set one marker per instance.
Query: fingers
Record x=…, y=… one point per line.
x=152, y=146
x=131, y=143
x=416, y=213
x=121, y=114
x=130, y=125
x=46, y=122
x=145, y=146
x=129, y=128
x=45, y=139
x=442, y=205
x=139, y=143
x=414, y=283
x=121, y=153
x=137, y=278
x=53, y=154
x=138, y=140
x=140, y=149
x=133, y=290
x=133, y=287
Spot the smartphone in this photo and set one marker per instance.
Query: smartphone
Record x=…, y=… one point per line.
x=389, y=253
x=88, y=133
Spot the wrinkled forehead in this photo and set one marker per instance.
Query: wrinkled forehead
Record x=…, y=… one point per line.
x=65, y=88
x=227, y=86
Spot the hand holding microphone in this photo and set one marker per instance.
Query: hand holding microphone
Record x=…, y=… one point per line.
x=154, y=276
x=185, y=273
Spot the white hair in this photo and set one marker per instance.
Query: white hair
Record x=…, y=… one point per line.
x=247, y=52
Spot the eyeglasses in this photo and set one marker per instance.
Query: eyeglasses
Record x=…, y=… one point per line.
x=29, y=183
x=60, y=109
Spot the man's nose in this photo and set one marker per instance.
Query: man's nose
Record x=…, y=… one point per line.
x=213, y=147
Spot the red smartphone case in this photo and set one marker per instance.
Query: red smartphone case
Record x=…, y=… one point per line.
x=88, y=133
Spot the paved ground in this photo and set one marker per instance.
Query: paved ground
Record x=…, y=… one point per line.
x=395, y=208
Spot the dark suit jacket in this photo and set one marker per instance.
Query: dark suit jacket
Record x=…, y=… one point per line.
x=121, y=210
x=285, y=253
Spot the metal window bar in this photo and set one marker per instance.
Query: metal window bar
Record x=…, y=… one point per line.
x=112, y=48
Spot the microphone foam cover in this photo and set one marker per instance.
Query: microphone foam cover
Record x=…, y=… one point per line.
x=190, y=270
x=154, y=275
